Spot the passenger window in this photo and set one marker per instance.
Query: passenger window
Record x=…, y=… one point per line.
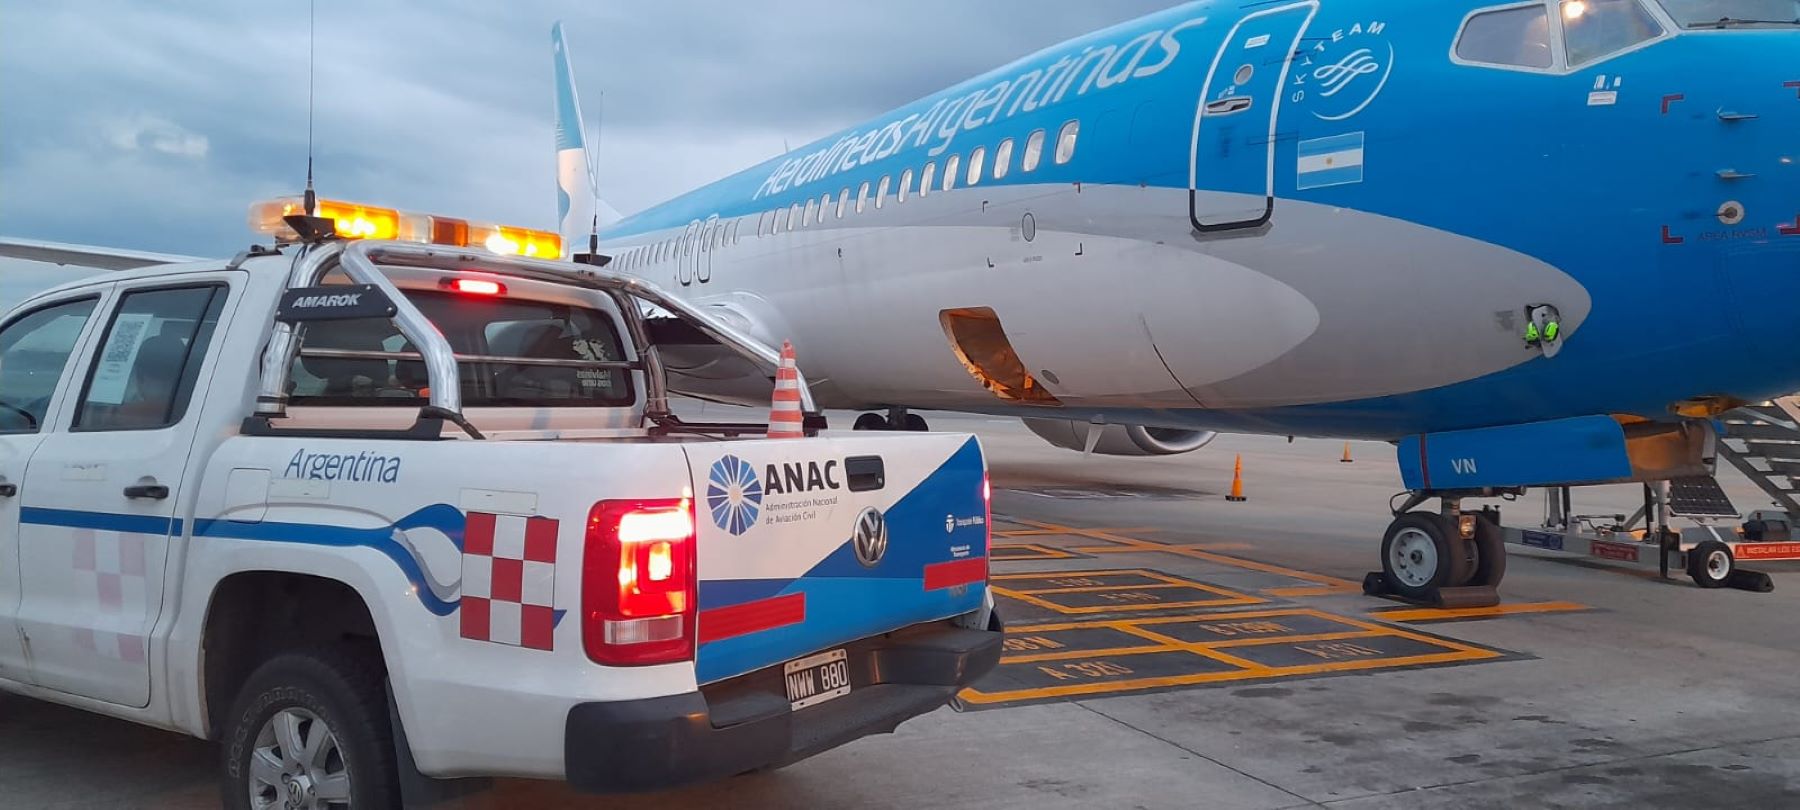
x=976, y=158
x=150, y=360
x=34, y=353
x=1593, y=29
x=780, y=221
x=1003, y=158
x=905, y=183
x=806, y=217
x=881, y=195
x=862, y=196
x=843, y=200
x=926, y=179
x=796, y=217
x=1519, y=37
x=951, y=167
x=572, y=352
x=1034, y=151
x=1065, y=142
x=824, y=203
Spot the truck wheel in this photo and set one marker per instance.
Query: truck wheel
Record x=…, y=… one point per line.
x=1419, y=555
x=310, y=730
x=1710, y=564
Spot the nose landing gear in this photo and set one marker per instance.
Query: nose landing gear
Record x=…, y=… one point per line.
x=896, y=419
x=1447, y=558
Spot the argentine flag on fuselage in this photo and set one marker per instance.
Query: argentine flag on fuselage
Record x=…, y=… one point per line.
x=574, y=173
x=1333, y=161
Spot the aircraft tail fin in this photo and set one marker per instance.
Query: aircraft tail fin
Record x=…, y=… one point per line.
x=577, y=190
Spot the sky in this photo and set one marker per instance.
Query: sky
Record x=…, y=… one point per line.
x=153, y=126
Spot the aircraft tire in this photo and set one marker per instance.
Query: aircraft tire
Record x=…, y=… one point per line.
x=1418, y=556
x=871, y=421
x=916, y=423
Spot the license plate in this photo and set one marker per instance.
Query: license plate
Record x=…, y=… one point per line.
x=817, y=678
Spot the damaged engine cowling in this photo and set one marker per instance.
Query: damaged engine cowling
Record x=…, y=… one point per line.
x=1120, y=440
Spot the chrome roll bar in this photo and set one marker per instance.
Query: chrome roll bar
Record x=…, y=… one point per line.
x=360, y=262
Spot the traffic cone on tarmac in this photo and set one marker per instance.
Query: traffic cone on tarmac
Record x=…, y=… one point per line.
x=1237, y=481
x=1346, y=459
x=786, y=421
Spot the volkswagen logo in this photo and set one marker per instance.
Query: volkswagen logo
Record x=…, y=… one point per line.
x=870, y=537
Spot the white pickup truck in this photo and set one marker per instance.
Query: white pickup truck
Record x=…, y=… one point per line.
x=379, y=516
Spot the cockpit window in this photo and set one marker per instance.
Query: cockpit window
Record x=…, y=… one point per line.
x=1519, y=37
x=1596, y=28
x=1733, y=13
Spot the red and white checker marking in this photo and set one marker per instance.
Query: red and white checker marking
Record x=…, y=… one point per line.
x=109, y=575
x=509, y=580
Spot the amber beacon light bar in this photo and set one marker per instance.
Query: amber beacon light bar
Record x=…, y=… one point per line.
x=357, y=221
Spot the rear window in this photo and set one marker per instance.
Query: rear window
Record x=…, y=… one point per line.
x=530, y=354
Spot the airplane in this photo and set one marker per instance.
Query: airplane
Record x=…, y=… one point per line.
x=1326, y=217
x=1533, y=243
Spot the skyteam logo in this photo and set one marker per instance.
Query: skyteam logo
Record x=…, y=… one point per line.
x=734, y=495
x=1344, y=71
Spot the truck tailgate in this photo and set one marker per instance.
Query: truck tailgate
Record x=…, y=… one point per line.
x=808, y=544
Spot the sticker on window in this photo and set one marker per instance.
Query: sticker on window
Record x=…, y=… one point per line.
x=114, y=370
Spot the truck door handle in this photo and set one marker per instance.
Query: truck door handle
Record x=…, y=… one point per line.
x=865, y=473
x=155, y=492
x=8, y=490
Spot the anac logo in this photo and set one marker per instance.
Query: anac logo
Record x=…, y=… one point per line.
x=733, y=494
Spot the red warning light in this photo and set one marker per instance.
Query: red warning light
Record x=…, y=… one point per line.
x=476, y=286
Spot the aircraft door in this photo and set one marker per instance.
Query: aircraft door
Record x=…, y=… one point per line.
x=709, y=242
x=687, y=253
x=1231, y=181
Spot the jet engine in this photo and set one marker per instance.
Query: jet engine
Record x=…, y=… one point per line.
x=1120, y=440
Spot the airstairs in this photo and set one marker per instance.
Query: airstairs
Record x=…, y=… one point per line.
x=1763, y=443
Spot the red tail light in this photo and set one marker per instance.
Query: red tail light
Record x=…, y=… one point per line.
x=637, y=585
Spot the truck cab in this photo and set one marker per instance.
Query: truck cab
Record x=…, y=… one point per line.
x=384, y=517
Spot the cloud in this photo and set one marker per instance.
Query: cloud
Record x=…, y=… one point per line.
x=156, y=134
x=155, y=125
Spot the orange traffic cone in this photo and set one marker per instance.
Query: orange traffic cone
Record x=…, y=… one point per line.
x=786, y=421
x=1237, y=481
x=1346, y=459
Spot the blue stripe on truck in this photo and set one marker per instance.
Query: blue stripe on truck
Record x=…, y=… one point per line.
x=847, y=601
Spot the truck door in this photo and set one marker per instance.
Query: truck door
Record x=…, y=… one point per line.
x=1232, y=179
x=35, y=349
x=104, y=492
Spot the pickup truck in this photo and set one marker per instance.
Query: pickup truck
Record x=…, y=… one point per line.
x=385, y=520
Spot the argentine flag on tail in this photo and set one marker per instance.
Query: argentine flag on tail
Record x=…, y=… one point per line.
x=575, y=184
x=1332, y=161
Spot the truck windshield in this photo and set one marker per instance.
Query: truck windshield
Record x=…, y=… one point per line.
x=1733, y=13
x=368, y=362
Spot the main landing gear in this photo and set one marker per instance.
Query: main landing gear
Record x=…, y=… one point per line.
x=896, y=419
x=1448, y=558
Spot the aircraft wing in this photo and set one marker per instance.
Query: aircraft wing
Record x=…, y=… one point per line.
x=104, y=258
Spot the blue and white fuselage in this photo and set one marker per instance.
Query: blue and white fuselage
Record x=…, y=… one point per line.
x=1328, y=217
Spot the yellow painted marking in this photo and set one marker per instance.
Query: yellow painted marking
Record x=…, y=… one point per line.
x=1327, y=584
x=1337, y=652
x=1226, y=598
x=1040, y=552
x=972, y=695
x=1068, y=655
x=1109, y=588
x=1202, y=651
x=1118, y=549
x=1265, y=641
x=1432, y=614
